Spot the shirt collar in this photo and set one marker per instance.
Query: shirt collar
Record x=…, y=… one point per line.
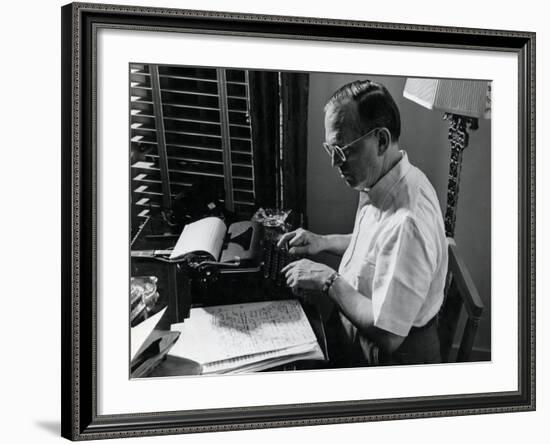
x=376, y=195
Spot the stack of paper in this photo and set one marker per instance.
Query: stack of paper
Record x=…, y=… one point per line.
x=246, y=337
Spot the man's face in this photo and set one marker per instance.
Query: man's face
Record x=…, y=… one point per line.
x=363, y=165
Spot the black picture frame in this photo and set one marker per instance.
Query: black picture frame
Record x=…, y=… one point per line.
x=79, y=209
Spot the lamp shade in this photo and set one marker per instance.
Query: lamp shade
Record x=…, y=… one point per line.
x=465, y=97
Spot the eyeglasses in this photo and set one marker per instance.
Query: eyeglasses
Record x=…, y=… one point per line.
x=339, y=151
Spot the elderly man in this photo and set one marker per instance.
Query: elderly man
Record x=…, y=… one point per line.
x=389, y=286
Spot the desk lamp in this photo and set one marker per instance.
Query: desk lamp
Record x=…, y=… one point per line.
x=463, y=102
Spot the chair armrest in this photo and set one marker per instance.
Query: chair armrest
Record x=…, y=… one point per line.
x=472, y=302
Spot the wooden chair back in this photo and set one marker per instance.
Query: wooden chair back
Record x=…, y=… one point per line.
x=460, y=293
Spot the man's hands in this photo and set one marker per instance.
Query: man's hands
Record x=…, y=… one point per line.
x=301, y=242
x=307, y=275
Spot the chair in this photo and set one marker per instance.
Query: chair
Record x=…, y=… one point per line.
x=460, y=292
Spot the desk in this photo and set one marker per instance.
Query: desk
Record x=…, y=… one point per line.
x=174, y=366
x=178, y=295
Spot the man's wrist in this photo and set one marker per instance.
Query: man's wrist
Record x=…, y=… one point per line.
x=321, y=242
x=329, y=282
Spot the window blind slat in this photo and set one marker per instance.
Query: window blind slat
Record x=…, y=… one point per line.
x=198, y=79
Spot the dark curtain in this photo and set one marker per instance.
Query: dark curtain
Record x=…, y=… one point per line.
x=294, y=98
x=264, y=114
x=280, y=142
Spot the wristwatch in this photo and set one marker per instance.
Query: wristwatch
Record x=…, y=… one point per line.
x=330, y=280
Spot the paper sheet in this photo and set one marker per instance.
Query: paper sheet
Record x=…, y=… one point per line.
x=261, y=361
x=203, y=235
x=141, y=332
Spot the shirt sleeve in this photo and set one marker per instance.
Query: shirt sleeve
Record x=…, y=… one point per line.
x=405, y=265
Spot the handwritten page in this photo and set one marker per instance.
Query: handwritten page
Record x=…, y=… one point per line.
x=219, y=333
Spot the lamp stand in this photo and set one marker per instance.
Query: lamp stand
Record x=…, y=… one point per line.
x=458, y=138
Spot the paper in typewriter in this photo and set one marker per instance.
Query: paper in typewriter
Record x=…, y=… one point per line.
x=232, y=337
x=204, y=235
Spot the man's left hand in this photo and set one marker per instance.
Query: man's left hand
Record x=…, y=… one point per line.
x=306, y=274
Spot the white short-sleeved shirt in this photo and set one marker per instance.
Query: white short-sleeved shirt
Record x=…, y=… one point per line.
x=397, y=256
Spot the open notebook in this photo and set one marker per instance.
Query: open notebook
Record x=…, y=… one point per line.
x=246, y=337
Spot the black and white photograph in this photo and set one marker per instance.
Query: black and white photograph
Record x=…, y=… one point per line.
x=304, y=221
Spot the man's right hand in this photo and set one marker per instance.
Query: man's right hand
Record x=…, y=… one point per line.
x=302, y=242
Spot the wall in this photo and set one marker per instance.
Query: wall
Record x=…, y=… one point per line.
x=332, y=205
x=29, y=327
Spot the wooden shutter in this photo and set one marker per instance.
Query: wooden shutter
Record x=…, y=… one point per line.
x=145, y=177
x=190, y=123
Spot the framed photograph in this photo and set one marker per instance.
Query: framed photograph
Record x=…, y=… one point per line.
x=276, y=221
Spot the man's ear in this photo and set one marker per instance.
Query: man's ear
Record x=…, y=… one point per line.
x=384, y=138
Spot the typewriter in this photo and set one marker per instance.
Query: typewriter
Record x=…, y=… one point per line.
x=214, y=264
